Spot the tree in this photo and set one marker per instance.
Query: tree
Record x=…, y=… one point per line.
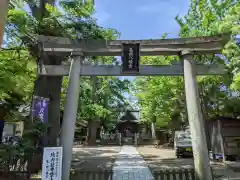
x=16, y=76
x=232, y=52
x=161, y=99
x=98, y=102
x=75, y=21
x=209, y=18
x=217, y=98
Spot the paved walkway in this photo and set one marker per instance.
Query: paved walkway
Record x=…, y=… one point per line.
x=130, y=165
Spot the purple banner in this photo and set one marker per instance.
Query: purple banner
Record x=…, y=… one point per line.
x=40, y=109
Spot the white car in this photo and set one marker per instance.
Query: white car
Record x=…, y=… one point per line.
x=182, y=144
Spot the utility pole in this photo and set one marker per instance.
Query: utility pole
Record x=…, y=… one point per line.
x=70, y=115
x=3, y=17
x=199, y=144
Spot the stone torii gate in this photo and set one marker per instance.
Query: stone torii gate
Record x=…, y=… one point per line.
x=184, y=47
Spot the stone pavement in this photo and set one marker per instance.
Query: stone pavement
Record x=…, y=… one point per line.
x=130, y=165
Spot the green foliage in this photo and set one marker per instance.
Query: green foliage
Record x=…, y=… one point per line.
x=212, y=17
x=16, y=76
x=232, y=23
x=72, y=18
x=209, y=18
x=101, y=99
x=162, y=99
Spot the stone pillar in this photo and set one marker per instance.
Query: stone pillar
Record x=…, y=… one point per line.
x=135, y=139
x=199, y=144
x=70, y=115
x=120, y=139
x=153, y=129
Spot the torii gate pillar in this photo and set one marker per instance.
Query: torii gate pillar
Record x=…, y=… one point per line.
x=70, y=115
x=195, y=118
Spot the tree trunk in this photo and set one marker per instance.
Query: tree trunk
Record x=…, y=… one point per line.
x=92, y=125
x=92, y=132
x=153, y=130
x=175, y=125
x=154, y=119
x=50, y=87
x=203, y=104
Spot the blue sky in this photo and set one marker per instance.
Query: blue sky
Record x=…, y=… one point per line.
x=141, y=19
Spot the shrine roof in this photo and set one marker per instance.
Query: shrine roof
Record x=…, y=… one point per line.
x=128, y=116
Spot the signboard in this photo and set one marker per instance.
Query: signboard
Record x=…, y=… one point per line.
x=19, y=128
x=8, y=129
x=130, y=58
x=40, y=109
x=52, y=163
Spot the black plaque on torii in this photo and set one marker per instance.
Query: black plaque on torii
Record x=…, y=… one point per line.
x=130, y=58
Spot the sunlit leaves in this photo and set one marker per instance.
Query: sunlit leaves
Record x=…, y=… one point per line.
x=16, y=75
x=209, y=18
x=159, y=97
x=231, y=23
x=77, y=8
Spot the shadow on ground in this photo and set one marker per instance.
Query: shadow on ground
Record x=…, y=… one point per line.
x=94, y=158
x=155, y=162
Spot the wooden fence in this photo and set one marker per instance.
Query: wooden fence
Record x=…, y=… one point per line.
x=171, y=174
x=174, y=174
x=14, y=175
x=77, y=174
x=18, y=166
x=91, y=175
